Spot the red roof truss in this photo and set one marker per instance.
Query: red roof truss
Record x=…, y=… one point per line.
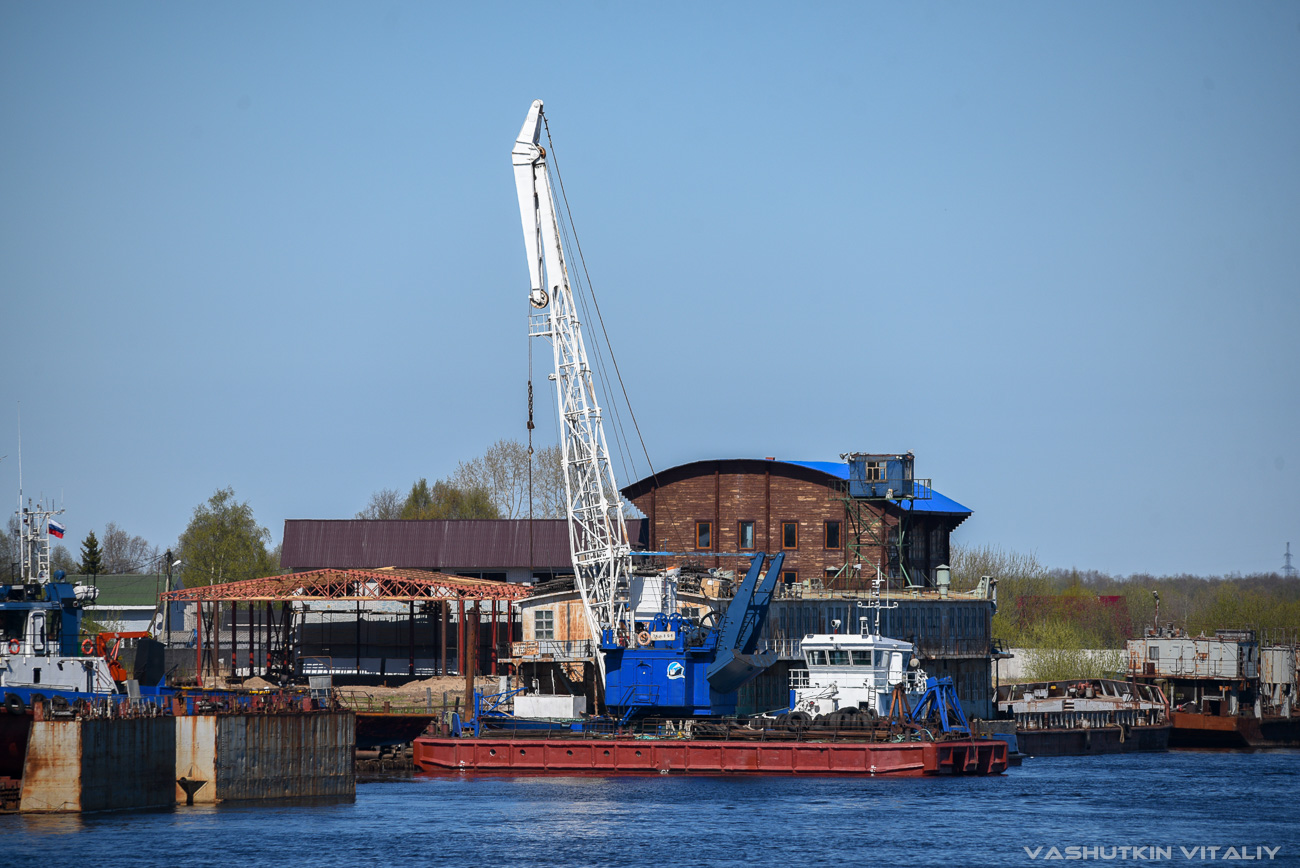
x=359, y=585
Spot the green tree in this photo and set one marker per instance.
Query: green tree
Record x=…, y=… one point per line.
x=445, y=500
x=92, y=560
x=224, y=543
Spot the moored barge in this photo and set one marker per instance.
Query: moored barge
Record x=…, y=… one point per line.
x=1225, y=690
x=629, y=754
x=1085, y=716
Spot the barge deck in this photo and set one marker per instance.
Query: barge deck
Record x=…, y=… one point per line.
x=630, y=755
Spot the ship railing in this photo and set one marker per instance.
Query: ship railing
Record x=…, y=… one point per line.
x=786, y=649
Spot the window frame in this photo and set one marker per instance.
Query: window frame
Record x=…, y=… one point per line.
x=740, y=534
x=707, y=526
x=790, y=577
x=789, y=524
x=826, y=534
x=550, y=626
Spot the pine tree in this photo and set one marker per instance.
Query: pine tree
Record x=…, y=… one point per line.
x=92, y=561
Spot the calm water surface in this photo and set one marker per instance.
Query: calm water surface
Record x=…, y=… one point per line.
x=1171, y=800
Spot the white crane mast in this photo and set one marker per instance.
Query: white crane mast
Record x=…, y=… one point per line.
x=598, y=538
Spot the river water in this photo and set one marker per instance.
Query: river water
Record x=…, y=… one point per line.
x=1169, y=808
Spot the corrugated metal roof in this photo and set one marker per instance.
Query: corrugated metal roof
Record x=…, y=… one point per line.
x=464, y=544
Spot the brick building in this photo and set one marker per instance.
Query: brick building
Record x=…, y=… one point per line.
x=743, y=505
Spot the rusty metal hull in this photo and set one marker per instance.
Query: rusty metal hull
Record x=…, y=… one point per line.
x=224, y=757
x=1239, y=731
x=1083, y=741
x=98, y=765
x=688, y=756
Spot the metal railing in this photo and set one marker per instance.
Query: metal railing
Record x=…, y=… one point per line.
x=554, y=649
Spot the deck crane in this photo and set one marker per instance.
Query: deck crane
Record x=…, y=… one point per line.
x=676, y=667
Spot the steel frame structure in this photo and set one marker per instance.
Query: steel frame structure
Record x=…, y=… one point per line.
x=360, y=585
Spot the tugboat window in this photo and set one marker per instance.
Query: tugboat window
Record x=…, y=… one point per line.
x=839, y=657
x=861, y=658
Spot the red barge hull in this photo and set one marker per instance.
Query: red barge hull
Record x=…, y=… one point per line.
x=694, y=756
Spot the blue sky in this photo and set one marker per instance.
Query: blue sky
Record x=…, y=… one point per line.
x=1050, y=248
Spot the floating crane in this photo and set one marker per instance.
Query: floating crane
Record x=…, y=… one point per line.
x=676, y=667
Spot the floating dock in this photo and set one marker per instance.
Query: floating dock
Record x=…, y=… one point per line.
x=113, y=755
x=622, y=755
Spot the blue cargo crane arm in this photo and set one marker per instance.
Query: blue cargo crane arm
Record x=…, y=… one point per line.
x=736, y=663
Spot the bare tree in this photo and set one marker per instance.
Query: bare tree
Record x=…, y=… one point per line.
x=123, y=553
x=503, y=470
x=384, y=504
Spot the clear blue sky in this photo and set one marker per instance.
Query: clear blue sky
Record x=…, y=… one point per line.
x=1053, y=249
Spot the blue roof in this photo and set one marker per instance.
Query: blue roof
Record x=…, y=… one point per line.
x=935, y=503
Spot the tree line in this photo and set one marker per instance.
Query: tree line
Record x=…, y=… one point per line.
x=1040, y=607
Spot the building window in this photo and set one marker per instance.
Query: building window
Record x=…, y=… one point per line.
x=704, y=534
x=875, y=471
x=833, y=535
x=789, y=576
x=789, y=534
x=745, y=533
x=691, y=613
x=543, y=624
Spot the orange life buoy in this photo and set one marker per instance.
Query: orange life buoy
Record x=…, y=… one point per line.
x=15, y=646
x=643, y=637
x=87, y=646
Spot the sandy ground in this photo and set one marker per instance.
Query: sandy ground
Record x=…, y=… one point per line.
x=414, y=694
x=407, y=695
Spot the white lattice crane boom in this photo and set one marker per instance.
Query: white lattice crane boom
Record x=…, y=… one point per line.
x=598, y=538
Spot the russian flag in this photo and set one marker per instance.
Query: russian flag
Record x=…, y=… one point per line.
x=56, y=529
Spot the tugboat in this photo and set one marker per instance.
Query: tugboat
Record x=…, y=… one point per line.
x=850, y=675
x=41, y=652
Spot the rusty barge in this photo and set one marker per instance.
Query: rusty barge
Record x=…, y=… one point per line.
x=1086, y=716
x=1225, y=690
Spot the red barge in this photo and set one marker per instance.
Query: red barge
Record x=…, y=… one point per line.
x=631, y=755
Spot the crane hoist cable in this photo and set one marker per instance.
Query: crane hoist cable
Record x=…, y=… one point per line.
x=673, y=521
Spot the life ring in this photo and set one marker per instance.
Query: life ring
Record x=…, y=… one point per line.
x=15, y=646
x=643, y=638
x=87, y=647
